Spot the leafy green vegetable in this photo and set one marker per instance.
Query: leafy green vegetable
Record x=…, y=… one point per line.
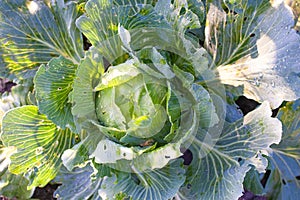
x=134, y=99
x=285, y=156
x=217, y=173
x=53, y=84
x=24, y=127
x=257, y=52
x=32, y=32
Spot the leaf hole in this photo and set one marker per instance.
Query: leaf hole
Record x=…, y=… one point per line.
x=104, y=147
x=283, y=181
x=182, y=11
x=124, y=154
x=189, y=186
x=246, y=105
x=187, y=156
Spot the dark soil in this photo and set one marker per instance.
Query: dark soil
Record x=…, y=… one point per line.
x=5, y=85
x=45, y=193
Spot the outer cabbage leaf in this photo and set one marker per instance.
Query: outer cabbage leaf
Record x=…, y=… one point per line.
x=157, y=184
x=215, y=171
x=179, y=20
x=78, y=184
x=39, y=144
x=79, y=153
x=31, y=33
x=256, y=47
x=11, y=185
x=53, y=84
x=277, y=189
x=87, y=78
x=285, y=157
x=15, y=186
x=107, y=17
x=110, y=152
x=252, y=182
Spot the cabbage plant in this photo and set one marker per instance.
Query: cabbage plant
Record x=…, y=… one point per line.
x=135, y=99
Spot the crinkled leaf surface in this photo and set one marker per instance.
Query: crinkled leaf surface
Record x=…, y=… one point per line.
x=215, y=172
x=285, y=156
x=157, y=184
x=53, y=84
x=39, y=144
x=257, y=48
x=31, y=33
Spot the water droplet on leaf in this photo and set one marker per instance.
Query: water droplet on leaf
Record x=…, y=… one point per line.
x=273, y=83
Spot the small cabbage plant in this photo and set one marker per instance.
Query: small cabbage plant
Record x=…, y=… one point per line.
x=135, y=99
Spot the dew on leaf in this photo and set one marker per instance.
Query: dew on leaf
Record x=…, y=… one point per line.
x=273, y=84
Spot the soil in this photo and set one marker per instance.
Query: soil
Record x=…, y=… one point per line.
x=45, y=193
x=5, y=85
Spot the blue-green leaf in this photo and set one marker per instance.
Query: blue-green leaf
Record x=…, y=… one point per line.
x=285, y=157
x=39, y=144
x=257, y=48
x=78, y=184
x=216, y=172
x=157, y=184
